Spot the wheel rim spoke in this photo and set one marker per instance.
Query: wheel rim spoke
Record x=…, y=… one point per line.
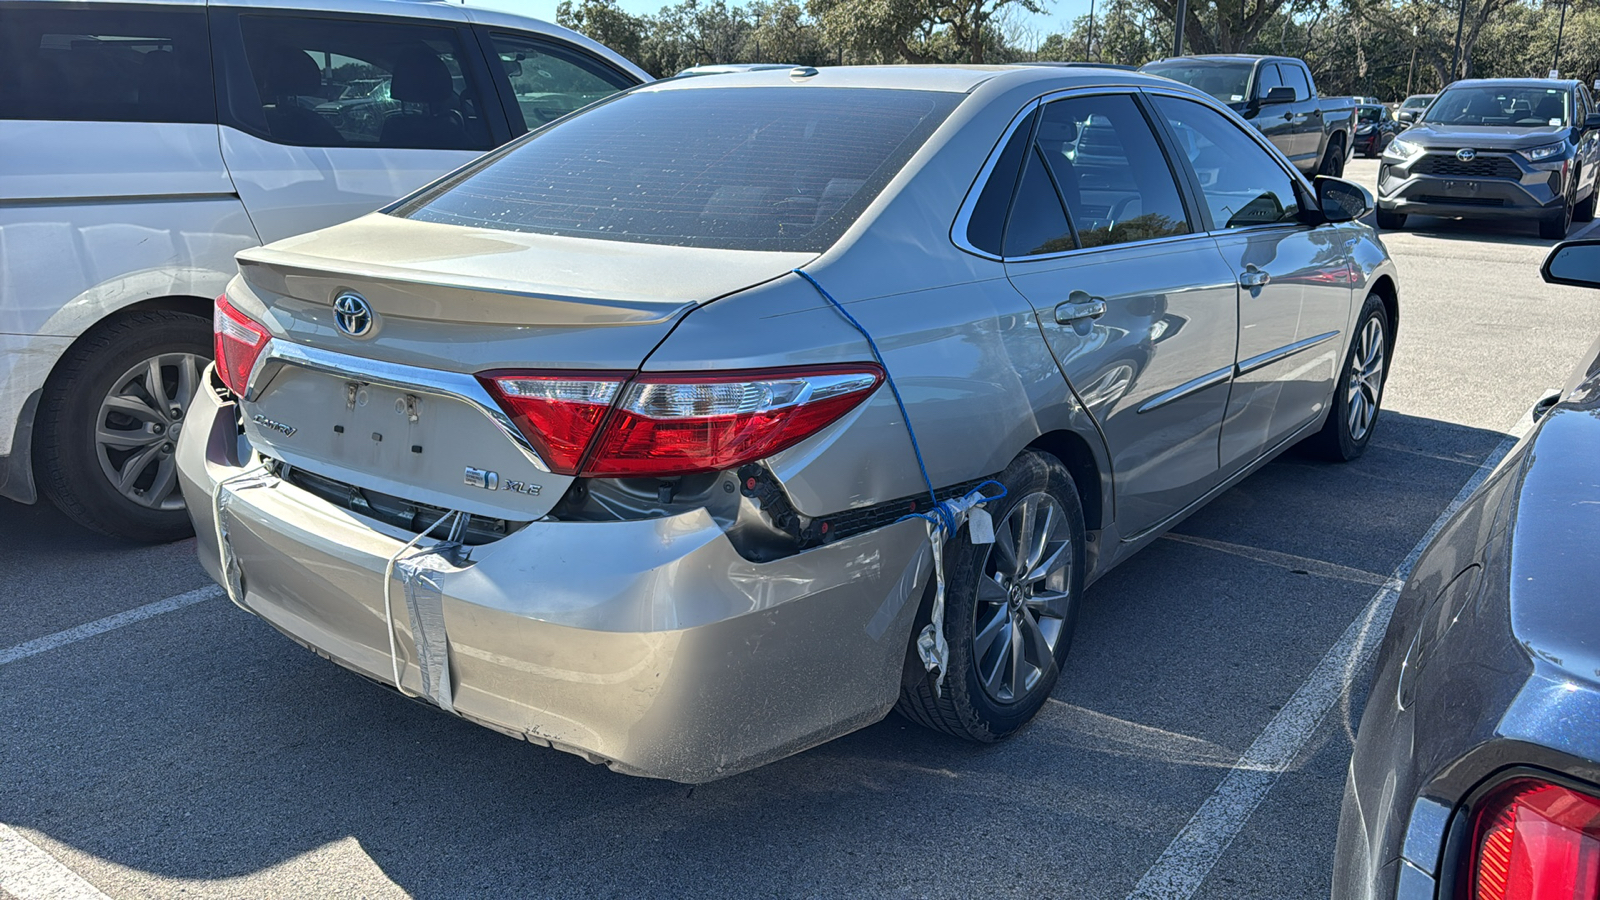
x=1036, y=648
x=156, y=386
x=135, y=466
x=166, y=479
x=133, y=407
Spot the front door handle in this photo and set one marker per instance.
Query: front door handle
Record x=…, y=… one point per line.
x=1080, y=306
x=1288, y=117
x=1253, y=277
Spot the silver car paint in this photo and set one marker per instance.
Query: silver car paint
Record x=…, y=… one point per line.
x=967, y=347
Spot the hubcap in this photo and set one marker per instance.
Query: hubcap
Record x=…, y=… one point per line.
x=1024, y=597
x=137, y=428
x=1365, y=387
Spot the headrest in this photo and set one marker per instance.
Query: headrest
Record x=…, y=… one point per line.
x=290, y=73
x=420, y=76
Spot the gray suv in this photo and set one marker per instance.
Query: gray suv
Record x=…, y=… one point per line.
x=1497, y=148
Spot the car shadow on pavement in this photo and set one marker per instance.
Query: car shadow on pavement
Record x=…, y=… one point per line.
x=1523, y=232
x=202, y=751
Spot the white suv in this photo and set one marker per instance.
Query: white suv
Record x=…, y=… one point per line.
x=146, y=143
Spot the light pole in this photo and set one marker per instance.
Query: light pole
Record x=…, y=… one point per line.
x=1088, y=48
x=1177, y=32
x=1555, y=64
x=1455, y=57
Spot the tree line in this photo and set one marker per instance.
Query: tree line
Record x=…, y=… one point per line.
x=1385, y=48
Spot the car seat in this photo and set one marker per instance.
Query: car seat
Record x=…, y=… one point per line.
x=286, y=75
x=1550, y=107
x=421, y=79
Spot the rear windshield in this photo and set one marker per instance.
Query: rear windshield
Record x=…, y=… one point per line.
x=1496, y=105
x=778, y=168
x=1368, y=114
x=1226, y=81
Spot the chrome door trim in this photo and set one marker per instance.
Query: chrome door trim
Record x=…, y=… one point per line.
x=1246, y=366
x=435, y=382
x=1188, y=387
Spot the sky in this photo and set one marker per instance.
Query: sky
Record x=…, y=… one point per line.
x=1059, y=18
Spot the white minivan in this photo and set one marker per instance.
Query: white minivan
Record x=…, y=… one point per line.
x=143, y=144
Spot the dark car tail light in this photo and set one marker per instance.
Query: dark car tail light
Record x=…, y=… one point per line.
x=238, y=342
x=1533, y=840
x=679, y=424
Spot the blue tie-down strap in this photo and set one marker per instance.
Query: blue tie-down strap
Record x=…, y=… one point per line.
x=944, y=518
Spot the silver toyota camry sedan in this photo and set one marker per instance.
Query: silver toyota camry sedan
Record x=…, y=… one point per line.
x=727, y=415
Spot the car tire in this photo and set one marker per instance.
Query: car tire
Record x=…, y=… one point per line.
x=1389, y=220
x=1358, y=391
x=1584, y=212
x=105, y=442
x=1333, y=162
x=990, y=613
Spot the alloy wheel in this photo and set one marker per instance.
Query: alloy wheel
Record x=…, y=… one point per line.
x=137, y=426
x=1365, y=384
x=1024, y=598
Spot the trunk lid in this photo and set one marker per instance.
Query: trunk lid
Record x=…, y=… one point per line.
x=397, y=410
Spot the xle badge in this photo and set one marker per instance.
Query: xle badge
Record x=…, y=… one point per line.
x=490, y=481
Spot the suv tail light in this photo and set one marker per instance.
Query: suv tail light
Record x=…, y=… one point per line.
x=1532, y=840
x=239, y=341
x=661, y=425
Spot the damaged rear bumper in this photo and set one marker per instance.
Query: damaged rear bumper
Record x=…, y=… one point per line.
x=650, y=645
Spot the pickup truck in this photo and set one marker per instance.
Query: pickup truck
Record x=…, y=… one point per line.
x=1277, y=95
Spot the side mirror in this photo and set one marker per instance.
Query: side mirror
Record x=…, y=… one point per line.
x=1279, y=94
x=1592, y=122
x=1574, y=262
x=1342, y=201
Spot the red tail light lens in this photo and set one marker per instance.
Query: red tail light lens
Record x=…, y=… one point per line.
x=557, y=411
x=239, y=341
x=681, y=424
x=1536, y=841
x=658, y=425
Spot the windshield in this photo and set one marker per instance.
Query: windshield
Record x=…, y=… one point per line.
x=1499, y=105
x=1368, y=114
x=1226, y=81
x=1416, y=102
x=758, y=168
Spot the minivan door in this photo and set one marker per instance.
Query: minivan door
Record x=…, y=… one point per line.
x=329, y=117
x=1138, y=310
x=1294, y=280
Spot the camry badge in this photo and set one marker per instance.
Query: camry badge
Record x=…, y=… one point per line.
x=351, y=314
x=1466, y=154
x=264, y=422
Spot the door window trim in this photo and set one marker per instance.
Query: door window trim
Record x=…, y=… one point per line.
x=1194, y=210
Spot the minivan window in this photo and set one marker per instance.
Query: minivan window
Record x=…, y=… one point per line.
x=105, y=63
x=549, y=80
x=760, y=168
x=325, y=82
x=1111, y=171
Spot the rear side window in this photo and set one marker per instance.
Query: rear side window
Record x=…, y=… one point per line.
x=1110, y=170
x=988, y=219
x=549, y=80
x=323, y=82
x=105, y=63
x=780, y=168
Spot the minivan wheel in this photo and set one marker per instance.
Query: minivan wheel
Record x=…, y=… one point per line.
x=1010, y=607
x=1358, y=393
x=1388, y=220
x=109, y=423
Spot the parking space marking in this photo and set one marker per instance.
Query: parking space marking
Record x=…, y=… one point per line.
x=109, y=623
x=1303, y=564
x=27, y=872
x=1184, y=865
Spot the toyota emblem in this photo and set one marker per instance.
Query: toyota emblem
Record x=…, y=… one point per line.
x=351, y=314
x=1466, y=154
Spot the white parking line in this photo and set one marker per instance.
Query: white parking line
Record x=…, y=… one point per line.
x=29, y=873
x=109, y=623
x=1186, y=862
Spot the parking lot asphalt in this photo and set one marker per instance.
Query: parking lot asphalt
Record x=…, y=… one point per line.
x=198, y=753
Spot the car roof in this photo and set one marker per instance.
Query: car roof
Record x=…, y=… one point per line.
x=950, y=79
x=1222, y=57
x=1513, y=82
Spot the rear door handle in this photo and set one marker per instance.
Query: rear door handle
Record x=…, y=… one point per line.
x=1253, y=277
x=1080, y=306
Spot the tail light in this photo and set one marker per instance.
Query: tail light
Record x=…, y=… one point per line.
x=1533, y=840
x=239, y=341
x=656, y=425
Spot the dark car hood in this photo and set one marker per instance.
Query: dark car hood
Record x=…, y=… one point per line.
x=1483, y=137
x=1553, y=522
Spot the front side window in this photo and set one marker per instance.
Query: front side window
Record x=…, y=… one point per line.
x=549, y=80
x=104, y=63
x=760, y=168
x=1242, y=184
x=1500, y=105
x=351, y=83
x=1268, y=78
x=1110, y=170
